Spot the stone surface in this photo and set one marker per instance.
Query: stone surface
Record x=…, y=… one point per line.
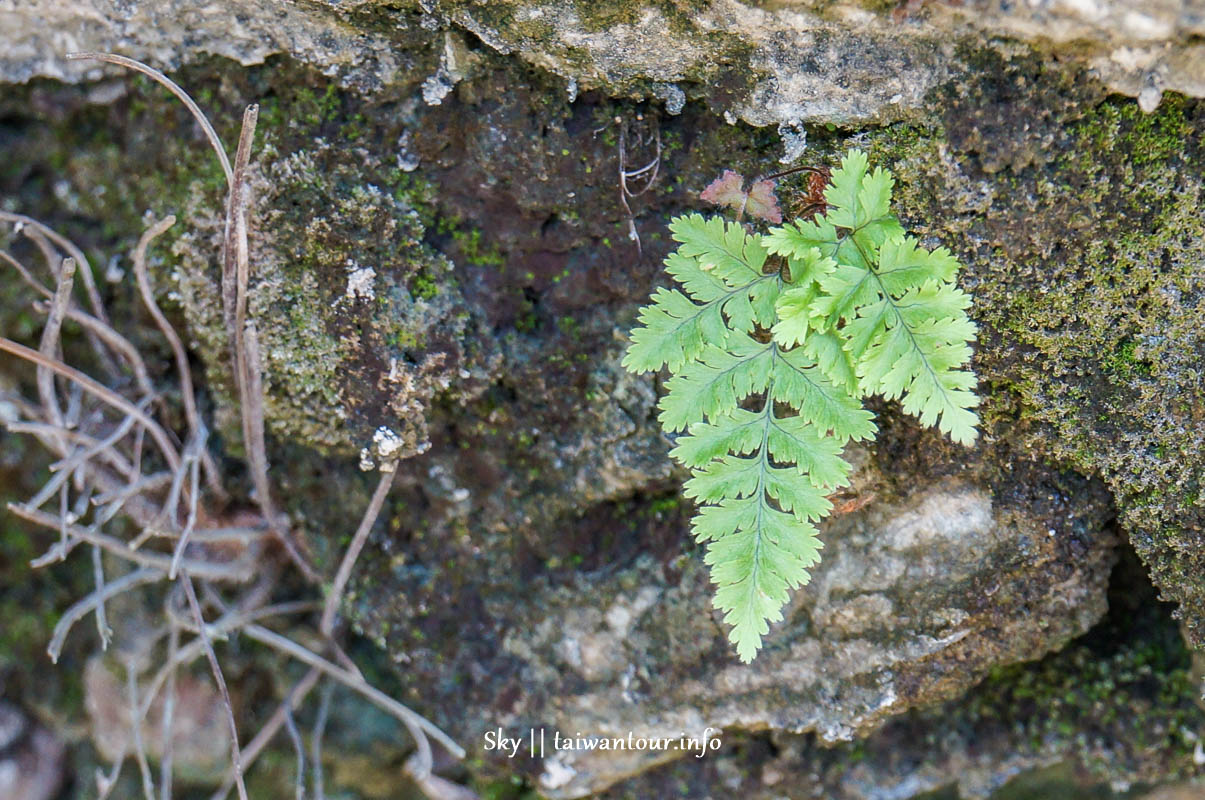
x=767, y=63
x=913, y=602
x=1112, y=712
x=534, y=564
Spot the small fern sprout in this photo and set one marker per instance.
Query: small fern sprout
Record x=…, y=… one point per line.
x=121, y=467
x=772, y=343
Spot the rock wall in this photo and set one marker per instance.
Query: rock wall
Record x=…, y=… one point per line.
x=440, y=250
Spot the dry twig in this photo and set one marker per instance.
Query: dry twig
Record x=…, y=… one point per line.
x=98, y=436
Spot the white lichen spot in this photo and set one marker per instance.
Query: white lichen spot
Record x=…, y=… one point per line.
x=1150, y=98
x=406, y=161
x=436, y=88
x=360, y=282
x=794, y=141
x=366, y=462
x=453, y=63
x=386, y=442
x=9, y=412
x=113, y=271
x=571, y=89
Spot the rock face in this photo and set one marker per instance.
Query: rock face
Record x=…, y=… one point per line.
x=442, y=250
x=1105, y=709
x=913, y=602
x=767, y=63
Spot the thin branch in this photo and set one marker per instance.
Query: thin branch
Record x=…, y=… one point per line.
x=62, y=470
x=167, y=744
x=298, y=748
x=251, y=387
x=257, y=453
x=52, y=257
x=269, y=730
x=98, y=574
x=219, y=629
x=776, y=175
x=100, y=329
x=418, y=725
x=203, y=635
x=169, y=515
x=144, y=768
x=187, y=392
x=106, y=783
x=235, y=276
x=316, y=737
x=237, y=271
x=128, y=499
x=243, y=536
x=234, y=571
x=435, y=787
x=101, y=392
x=103, y=593
x=189, y=523
x=44, y=431
x=105, y=333
x=69, y=247
x=146, y=483
x=49, y=346
x=171, y=86
x=353, y=551
x=652, y=167
x=97, y=447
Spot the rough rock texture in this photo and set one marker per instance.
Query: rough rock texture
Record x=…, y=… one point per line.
x=346, y=302
x=768, y=63
x=912, y=603
x=1114, y=709
x=462, y=273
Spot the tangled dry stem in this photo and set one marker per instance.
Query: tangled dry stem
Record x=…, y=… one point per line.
x=120, y=468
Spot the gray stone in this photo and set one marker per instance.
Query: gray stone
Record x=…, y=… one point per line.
x=914, y=601
x=806, y=60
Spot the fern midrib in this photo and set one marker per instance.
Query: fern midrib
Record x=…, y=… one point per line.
x=760, y=493
x=767, y=414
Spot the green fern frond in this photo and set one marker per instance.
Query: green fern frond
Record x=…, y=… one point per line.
x=892, y=303
x=852, y=307
x=760, y=509
x=722, y=277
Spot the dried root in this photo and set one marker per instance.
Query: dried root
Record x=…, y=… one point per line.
x=120, y=467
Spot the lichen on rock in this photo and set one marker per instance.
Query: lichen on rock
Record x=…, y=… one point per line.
x=1083, y=238
x=343, y=294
